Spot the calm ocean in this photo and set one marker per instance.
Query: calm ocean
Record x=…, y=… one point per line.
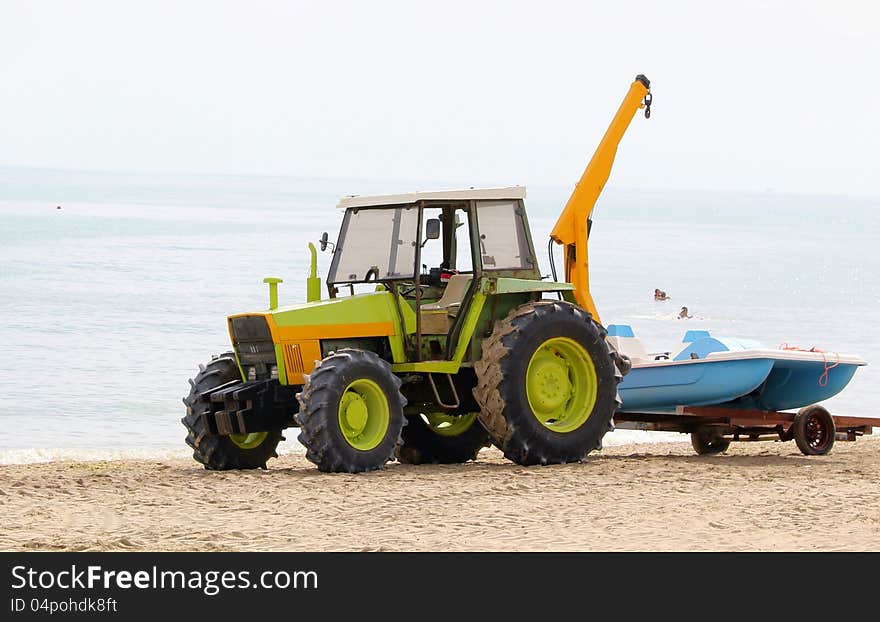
x=108, y=304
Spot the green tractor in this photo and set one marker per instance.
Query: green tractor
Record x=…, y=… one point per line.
x=438, y=338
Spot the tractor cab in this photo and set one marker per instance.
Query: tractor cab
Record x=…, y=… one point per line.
x=431, y=248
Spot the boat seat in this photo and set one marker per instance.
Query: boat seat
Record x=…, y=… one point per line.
x=624, y=340
x=632, y=347
x=689, y=338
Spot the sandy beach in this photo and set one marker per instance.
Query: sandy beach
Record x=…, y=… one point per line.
x=760, y=496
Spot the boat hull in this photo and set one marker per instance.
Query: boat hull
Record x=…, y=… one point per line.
x=754, y=383
x=794, y=384
x=699, y=383
x=726, y=371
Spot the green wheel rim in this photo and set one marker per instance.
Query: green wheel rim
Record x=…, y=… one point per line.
x=248, y=441
x=364, y=414
x=450, y=425
x=561, y=384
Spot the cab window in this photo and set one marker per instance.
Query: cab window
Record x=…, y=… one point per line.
x=376, y=244
x=503, y=244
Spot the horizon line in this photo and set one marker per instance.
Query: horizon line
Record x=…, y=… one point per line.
x=458, y=182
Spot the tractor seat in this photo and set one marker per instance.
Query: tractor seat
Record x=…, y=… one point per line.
x=437, y=317
x=452, y=295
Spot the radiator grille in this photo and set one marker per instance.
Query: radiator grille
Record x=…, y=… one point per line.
x=293, y=360
x=252, y=340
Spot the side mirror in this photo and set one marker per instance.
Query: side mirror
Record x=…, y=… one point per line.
x=324, y=241
x=432, y=229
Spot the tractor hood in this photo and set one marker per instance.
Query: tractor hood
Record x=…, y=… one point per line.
x=364, y=315
x=290, y=337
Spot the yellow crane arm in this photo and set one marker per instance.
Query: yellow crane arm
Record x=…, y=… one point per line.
x=572, y=229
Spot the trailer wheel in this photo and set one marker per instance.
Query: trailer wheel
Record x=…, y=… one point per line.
x=707, y=442
x=814, y=430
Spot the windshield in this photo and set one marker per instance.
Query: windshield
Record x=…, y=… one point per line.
x=376, y=244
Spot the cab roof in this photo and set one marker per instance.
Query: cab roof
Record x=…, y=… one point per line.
x=475, y=194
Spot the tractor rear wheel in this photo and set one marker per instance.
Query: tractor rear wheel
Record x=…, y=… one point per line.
x=547, y=385
x=439, y=438
x=216, y=452
x=351, y=412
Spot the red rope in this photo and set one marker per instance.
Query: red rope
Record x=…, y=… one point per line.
x=823, y=379
x=827, y=365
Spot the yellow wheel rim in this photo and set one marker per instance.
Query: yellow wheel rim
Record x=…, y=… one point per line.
x=450, y=425
x=561, y=384
x=248, y=441
x=364, y=414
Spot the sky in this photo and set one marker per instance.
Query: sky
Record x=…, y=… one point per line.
x=755, y=96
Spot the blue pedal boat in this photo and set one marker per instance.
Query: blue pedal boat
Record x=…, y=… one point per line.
x=725, y=371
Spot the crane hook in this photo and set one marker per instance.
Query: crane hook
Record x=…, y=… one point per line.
x=648, y=99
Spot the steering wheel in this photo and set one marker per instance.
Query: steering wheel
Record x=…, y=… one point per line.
x=374, y=272
x=408, y=292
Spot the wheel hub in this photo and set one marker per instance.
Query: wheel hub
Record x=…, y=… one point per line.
x=816, y=433
x=550, y=383
x=354, y=413
x=561, y=384
x=363, y=414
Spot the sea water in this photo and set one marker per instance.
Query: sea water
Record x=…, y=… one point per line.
x=108, y=304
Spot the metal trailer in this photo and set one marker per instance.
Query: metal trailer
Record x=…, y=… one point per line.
x=713, y=428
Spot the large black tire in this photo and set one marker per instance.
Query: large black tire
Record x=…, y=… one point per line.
x=707, y=442
x=319, y=417
x=421, y=444
x=220, y=453
x=814, y=430
x=505, y=410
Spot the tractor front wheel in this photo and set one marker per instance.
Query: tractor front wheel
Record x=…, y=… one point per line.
x=216, y=452
x=351, y=412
